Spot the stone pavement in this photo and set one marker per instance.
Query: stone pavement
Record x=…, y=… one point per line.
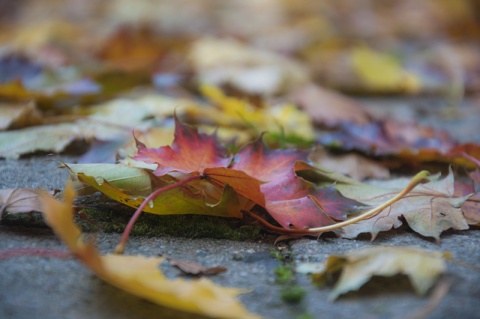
x=32, y=287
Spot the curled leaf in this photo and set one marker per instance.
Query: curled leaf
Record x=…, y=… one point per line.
x=140, y=275
x=357, y=267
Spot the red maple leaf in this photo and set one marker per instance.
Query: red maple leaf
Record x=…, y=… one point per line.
x=190, y=152
x=265, y=164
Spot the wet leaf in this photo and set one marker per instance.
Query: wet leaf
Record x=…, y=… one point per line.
x=140, y=275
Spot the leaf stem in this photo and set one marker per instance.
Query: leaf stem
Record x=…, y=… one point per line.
x=128, y=229
x=417, y=179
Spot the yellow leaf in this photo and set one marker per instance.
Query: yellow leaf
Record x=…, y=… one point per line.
x=421, y=266
x=281, y=119
x=381, y=72
x=140, y=275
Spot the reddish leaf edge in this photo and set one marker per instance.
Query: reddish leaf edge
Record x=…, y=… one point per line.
x=420, y=178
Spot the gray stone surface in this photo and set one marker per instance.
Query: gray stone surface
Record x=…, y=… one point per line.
x=32, y=287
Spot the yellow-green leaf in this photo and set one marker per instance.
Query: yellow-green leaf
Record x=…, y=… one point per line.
x=140, y=275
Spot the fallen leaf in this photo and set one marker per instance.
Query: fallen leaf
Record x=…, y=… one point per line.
x=171, y=202
x=381, y=72
x=19, y=200
x=14, y=116
x=194, y=269
x=429, y=209
x=126, y=178
x=407, y=141
x=471, y=208
x=265, y=164
x=190, y=152
x=255, y=71
x=353, y=165
x=422, y=267
x=140, y=275
x=281, y=121
x=328, y=107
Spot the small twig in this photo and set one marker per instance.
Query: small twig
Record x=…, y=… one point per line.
x=128, y=229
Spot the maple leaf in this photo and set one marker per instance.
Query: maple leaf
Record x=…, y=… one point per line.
x=19, y=200
x=429, y=209
x=295, y=203
x=422, y=267
x=176, y=201
x=190, y=152
x=140, y=275
x=265, y=164
x=471, y=208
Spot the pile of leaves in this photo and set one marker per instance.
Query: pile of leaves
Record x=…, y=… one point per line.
x=270, y=131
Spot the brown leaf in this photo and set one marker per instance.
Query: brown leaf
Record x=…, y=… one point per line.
x=20, y=200
x=353, y=165
x=328, y=107
x=429, y=209
x=194, y=269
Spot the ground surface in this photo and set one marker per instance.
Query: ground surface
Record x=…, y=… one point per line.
x=32, y=287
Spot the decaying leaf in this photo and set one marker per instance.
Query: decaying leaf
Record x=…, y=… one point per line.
x=328, y=107
x=357, y=267
x=140, y=275
x=195, y=269
x=13, y=116
x=19, y=200
x=429, y=209
x=353, y=165
x=408, y=141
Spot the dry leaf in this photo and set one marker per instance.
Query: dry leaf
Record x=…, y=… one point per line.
x=353, y=165
x=250, y=70
x=194, y=269
x=140, y=275
x=421, y=266
x=13, y=116
x=328, y=107
x=429, y=209
x=19, y=200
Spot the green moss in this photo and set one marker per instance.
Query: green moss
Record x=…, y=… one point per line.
x=283, y=274
x=23, y=219
x=190, y=226
x=293, y=294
